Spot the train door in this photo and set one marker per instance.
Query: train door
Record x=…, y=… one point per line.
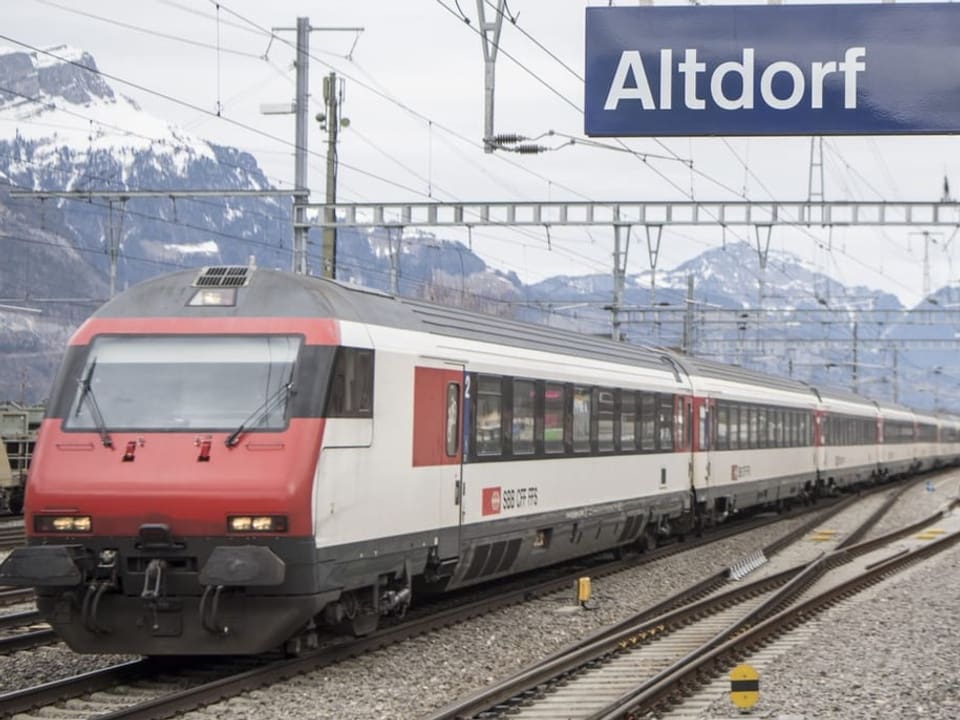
x=684, y=430
x=438, y=448
x=819, y=440
x=704, y=413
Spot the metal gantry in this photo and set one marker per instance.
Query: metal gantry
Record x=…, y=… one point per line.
x=652, y=215
x=115, y=224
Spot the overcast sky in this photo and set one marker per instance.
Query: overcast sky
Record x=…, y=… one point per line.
x=414, y=96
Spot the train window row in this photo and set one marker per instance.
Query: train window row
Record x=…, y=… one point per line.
x=897, y=432
x=926, y=432
x=515, y=418
x=746, y=426
x=949, y=434
x=849, y=430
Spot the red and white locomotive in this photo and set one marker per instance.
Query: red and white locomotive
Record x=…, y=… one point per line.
x=232, y=457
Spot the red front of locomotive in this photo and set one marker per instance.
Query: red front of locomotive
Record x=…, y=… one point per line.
x=169, y=508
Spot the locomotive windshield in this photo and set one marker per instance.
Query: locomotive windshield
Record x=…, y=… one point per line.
x=185, y=382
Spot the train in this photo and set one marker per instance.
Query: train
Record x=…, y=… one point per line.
x=234, y=459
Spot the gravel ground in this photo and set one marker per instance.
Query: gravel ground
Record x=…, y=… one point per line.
x=867, y=662
x=413, y=678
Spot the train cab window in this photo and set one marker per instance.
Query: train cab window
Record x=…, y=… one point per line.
x=648, y=422
x=604, y=404
x=453, y=419
x=489, y=417
x=665, y=422
x=351, y=385
x=524, y=396
x=554, y=402
x=628, y=421
x=581, y=419
x=196, y=382
x=723, y=415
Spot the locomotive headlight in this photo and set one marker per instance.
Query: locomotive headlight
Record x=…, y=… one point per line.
x=257, y=523
x=240, y=524
x=262, y=523
x=62, y=523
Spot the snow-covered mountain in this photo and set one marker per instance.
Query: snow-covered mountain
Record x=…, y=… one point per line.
x=62, y=127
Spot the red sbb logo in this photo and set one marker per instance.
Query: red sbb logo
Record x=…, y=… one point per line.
x=491, y=500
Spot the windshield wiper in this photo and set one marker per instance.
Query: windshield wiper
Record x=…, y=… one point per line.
x=257, y=416
x=87, y=391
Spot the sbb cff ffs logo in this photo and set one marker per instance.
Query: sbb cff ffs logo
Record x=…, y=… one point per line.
x=491, y=501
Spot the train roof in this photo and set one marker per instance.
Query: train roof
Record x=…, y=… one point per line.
x=829, y=392
x=736, y=374
x=273, y=293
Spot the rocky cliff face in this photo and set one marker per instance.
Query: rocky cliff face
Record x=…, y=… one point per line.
x=26, y=75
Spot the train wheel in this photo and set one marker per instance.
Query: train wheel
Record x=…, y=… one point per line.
x=364, y=623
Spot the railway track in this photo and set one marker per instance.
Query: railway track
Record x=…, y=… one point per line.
x=12, y=534
x=24, y=631
x=15, y=596
x=133, y=690
x=622, y=672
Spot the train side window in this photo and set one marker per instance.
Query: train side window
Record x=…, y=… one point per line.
x=763, y=435
x=648, y=422
x=553, y=404
x=581, y=419
x=723, y=415
x=453, y=419
x=628, y=421
x=665, y=422
x=733, y=435
x=604, y=400
x=744, y=427
x=679, y=424
x=489, y=416
x=351, y=384
x=524, y=395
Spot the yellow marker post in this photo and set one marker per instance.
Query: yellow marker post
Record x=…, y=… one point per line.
x=584, y=591
x=744, y=686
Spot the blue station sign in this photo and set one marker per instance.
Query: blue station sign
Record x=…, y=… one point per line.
x=773, y=70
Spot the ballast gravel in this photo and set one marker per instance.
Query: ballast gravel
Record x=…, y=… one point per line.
x=421, y=675
x=889, y=653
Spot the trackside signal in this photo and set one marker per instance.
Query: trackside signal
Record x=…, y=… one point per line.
x=744, y=686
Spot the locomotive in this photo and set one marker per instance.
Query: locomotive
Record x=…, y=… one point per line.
x=234, y=457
